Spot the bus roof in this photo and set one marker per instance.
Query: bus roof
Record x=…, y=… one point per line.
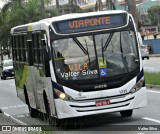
x=47, y=21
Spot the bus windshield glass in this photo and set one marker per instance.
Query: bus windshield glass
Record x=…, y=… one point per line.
x=95, y=56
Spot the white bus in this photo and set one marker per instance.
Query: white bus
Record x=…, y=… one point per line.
x=79, y=64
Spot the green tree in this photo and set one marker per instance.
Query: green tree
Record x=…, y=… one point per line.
x=18, y=12
x=154, y=15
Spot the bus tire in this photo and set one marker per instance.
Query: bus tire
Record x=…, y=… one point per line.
x=32, y=112
x=51, y=120
x=4, y=77
x=127, y=113
x=46, y=105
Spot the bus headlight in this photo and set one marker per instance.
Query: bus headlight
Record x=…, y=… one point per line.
x=63, y=96
x=137, y=86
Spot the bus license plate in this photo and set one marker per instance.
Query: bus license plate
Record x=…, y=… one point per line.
x=102, y=102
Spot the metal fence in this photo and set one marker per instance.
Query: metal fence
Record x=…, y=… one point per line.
x=154, y=44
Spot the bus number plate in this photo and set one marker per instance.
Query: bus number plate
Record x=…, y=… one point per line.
x=102, y=102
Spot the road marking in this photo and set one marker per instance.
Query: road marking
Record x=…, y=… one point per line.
x=18, y=106
x=14, y=119
x=12, y=84
x=150, y=119
x=153, y=91
x=21, y=116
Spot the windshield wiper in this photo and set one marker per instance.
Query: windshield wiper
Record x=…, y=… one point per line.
x=80, y=46
x=87, y=51
x=107, y=42
x=102, y=49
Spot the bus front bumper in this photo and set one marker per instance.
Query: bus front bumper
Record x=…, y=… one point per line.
x=68, y=109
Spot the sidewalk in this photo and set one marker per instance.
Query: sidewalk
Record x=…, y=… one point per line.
x=150, y=86
x=4, y=120
x=154, y=55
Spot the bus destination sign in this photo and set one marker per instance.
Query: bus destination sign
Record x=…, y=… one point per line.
x=90, y=23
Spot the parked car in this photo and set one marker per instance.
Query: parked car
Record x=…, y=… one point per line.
x=144, y=52
x=7, y=69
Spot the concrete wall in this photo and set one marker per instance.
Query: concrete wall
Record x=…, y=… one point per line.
x=155, y=45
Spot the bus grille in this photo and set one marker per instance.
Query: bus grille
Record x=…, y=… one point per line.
x=88, y=108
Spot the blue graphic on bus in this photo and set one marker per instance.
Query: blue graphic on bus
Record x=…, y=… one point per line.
x=103, y=72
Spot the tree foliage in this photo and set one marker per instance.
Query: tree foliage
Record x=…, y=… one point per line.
x=18, y=12
x=73, y=9
x=154, y=14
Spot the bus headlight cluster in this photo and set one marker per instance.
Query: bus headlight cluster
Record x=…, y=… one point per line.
x=63, y=96
x=137, y=86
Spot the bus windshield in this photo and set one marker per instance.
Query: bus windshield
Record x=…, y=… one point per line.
x=95, y=56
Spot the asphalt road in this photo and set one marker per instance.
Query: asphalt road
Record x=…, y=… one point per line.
x=152, y=65
x=8, y=98
x=149, y=115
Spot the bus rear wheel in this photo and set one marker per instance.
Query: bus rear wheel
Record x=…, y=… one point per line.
x=32, y=112
x=127, y=113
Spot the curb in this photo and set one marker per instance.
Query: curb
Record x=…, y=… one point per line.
x=14, y=119
x=153, y=86
x=154, y=55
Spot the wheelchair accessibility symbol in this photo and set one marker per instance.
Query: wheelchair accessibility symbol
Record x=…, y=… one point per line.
x=103, y=72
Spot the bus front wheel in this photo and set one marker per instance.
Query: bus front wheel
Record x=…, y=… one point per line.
x=47, y=108
x=127, y=113
x=51, y=120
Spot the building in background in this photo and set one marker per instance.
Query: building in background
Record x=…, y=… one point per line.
x=149, y=29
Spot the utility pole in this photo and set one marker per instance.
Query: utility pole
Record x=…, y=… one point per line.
x=43, y=9
x=57, y=4
x=132, y=9
x=109, y=5
x=1, y=50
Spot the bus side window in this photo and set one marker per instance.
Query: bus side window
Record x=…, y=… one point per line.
x=30, y=54
x=24, y=49
x=15, y=47
x=12, y=46
x=34, y=48
x=37, y=49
